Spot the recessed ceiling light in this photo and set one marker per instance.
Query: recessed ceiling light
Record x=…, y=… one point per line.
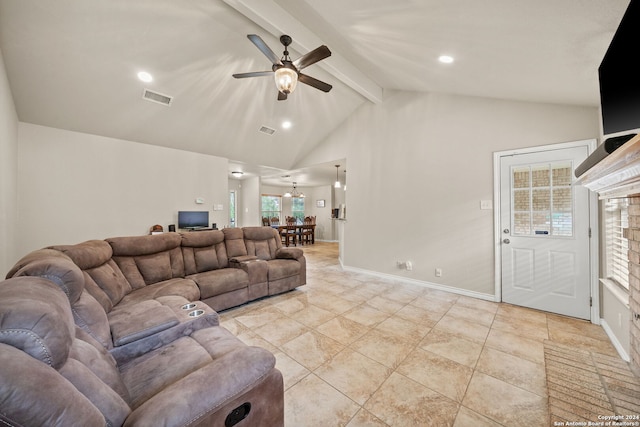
x=145, y=77
x=445, y=59
x=286, y=124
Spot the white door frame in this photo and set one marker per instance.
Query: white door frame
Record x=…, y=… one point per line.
x=594, y=260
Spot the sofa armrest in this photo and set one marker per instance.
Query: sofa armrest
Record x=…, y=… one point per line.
x=137, y=321
x=256, y=269
x=242, y=258
x=208, y=395
x=289, y=253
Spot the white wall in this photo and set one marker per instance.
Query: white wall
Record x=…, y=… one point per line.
x=250, y=216
x=74, y=187
x=8, y=174
x=420, y=163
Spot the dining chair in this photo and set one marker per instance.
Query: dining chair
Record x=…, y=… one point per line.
x=309, y=230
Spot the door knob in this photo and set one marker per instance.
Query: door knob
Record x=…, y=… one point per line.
x=507, y=241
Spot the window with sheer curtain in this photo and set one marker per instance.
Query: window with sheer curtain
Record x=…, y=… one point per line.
x=617, y=246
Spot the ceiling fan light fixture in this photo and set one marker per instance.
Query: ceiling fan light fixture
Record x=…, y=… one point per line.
x=286, y=79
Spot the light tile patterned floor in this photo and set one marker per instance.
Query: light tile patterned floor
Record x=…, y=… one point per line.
x=356, y=350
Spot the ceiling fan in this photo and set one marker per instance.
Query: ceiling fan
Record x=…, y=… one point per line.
x=287, y=72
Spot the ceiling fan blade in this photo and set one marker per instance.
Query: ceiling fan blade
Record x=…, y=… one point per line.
x=312, y=57
x=253, y=74
x=266, y=50
x=325, y=87
x=282, y=96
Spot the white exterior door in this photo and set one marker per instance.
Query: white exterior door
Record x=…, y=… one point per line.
x=544, y=228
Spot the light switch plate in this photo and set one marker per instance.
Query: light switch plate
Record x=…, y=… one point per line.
x=486, y=204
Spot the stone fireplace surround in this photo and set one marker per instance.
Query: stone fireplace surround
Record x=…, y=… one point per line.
x=618, y=175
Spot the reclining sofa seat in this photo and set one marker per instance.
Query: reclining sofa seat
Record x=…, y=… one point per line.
x=47, y=337
x=283, y=273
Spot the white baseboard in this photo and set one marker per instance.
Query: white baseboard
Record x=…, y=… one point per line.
x=614, y=340
x=430, y=285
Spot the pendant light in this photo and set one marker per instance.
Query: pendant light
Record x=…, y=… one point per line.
x=337, y=184
x=293, y=193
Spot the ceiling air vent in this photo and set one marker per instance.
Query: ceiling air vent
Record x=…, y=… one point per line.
x=267, y=130
x=157, y=97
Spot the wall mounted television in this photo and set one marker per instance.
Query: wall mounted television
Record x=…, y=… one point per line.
x=619, y=78
x=193, y=219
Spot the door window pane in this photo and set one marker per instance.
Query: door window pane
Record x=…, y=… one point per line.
x=542, y=200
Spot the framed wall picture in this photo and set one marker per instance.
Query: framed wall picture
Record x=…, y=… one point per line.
x=320, y=203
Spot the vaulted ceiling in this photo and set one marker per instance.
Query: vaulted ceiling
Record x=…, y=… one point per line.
x=72, y=64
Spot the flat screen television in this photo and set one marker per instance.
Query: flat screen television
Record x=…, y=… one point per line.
x=619, y=78
x=193, y=219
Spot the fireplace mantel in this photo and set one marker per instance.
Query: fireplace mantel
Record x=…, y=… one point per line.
x=618, y=174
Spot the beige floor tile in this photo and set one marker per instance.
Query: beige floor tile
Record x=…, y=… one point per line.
x=312, y=349
x=332, y=303
x=412, y=332
x=259, y=317
x=366, y=315
x=508, y=311
x=514, y=370
x=473, y=315
x=434, y=305
x=468, y=418
x=401, y=402
x=452, y=346
x=522, y=327
x=353, y=374
x=291, y=305
x=438, y=373
x=418, y=315
x=387, y=349
x=467, y=329
x=365, y=418
x=314, y=403
x=343, y=330
x=312, y=315
x=516, y=345
x=292, y=371
x=478, y=304
x=505, y=403
x=281, y=330
x=385, y=305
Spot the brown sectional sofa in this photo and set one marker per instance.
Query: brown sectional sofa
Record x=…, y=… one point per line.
x=124, y=331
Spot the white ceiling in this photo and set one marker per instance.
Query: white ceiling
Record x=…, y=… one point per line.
x=72, y=65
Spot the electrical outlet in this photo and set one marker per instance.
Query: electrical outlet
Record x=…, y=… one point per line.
x=438, y=272
x=409, y=265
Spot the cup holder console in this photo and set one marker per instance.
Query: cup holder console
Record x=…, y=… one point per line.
x=189, y=306
x=196, y=313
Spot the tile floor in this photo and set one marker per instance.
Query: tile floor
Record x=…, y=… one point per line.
x=356, y=350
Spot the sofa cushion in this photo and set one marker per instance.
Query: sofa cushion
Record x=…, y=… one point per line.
x=36, y=318
x=136, y=321
x=217, y=282
x=144, y=260
x=35, y=255
x=282, y=268
x=34, y=394
x=204, y=251
x=234, y=242
x=89, y=254
x=96, y=376
x=185, y=288
x=262, y=242
x=59, y=270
